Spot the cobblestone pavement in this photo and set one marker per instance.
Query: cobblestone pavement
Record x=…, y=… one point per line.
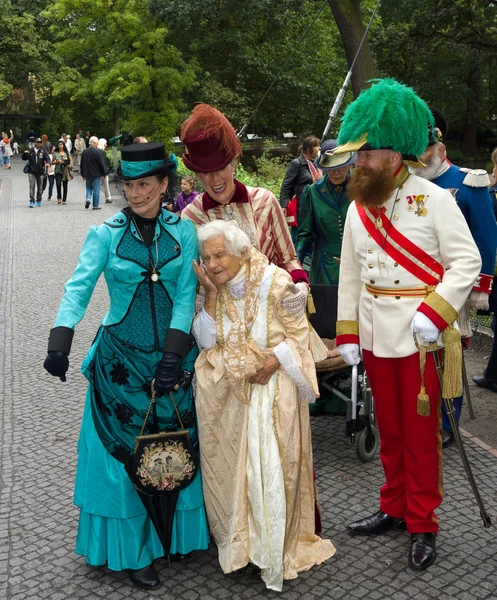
x=39, y=421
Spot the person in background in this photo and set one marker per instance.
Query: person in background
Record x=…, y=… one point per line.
x=79, y=147
x=50, y=177
x=93, y=170
x=62, y=161
x=301, y=172
x=87, y=138
x=469, y=190
x=140, y=139
x=46, y=144
x=63, y=137
x=323, y=209
x=6, y=149
x=15, y=147
x=488, y=379
x=187, y=194
x=69, y=144
x=31, y=139
x=38, y=161
x=493, y=186
x=102, y=145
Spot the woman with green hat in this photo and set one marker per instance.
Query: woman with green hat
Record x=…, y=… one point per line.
x=323, y=208
x=145, y=254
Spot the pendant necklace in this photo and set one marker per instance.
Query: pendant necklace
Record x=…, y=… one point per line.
x=154, y=276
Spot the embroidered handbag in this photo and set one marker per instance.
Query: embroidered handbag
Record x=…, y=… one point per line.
x=163, y=462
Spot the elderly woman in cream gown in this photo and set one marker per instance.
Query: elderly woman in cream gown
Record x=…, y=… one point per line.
x=255, y=377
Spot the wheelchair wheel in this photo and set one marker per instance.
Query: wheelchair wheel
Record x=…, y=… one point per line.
x=366, y=444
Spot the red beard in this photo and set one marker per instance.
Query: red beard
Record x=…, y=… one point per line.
x=371, y=188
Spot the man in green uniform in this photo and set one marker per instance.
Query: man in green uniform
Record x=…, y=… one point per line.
x=323, y=208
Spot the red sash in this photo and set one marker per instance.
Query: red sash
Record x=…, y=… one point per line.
x=402, y=250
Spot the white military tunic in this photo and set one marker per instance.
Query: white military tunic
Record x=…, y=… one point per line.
x=426, y=215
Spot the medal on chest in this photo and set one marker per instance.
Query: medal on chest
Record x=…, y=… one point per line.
x=416, y=204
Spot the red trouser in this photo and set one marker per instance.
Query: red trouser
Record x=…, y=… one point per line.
x=410, y=445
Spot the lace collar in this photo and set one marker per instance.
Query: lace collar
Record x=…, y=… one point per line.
x=237, y=285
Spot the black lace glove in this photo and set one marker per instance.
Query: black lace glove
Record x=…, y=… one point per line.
x=57, y=363
x=167, y=372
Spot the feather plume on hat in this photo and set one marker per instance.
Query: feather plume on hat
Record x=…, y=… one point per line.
x=208, y=133
x=389, y=115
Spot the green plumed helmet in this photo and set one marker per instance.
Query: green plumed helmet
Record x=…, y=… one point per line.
x=389, y=115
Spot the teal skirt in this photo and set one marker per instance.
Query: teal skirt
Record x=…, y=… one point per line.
x=114, y=528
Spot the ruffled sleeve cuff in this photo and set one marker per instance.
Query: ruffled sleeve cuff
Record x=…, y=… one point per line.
x=436, y=308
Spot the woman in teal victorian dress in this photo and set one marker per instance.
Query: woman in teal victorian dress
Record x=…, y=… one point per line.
x=322, y=211
x=145, y=254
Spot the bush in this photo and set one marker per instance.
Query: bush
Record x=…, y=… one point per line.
x=269, y=173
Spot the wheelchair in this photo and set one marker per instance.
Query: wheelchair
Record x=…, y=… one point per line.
x=334, y=375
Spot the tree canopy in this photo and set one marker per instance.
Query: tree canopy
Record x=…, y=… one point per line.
x=141, y=65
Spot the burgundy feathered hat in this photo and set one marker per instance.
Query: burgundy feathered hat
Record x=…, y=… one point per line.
x=210, y=140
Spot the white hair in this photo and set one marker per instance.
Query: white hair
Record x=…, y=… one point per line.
x=235, y=240
x=93, y=139
x=102, y=142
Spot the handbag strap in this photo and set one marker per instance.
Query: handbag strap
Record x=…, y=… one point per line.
x=152, y=401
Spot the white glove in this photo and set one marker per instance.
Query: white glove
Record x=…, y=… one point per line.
x=479, y=301
x=424, y=327
x=302, y=288
x=350, y=353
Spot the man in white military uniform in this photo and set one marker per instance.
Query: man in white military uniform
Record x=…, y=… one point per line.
x=408, y=264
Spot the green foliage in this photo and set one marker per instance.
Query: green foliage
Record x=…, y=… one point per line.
x=269, y=173
x=23, y=51
x=240, y=47
x=142, y=64
x=116, y=56
x=447, y=50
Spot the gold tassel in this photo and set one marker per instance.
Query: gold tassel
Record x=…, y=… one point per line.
x=423, y=406
x=452, y=374
x=311, y=309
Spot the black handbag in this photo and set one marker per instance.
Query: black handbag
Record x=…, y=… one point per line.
x=26, y=168
x=163, y=462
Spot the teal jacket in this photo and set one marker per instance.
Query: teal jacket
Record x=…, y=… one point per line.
x=102, y=253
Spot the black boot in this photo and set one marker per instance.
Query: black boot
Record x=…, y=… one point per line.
x=376, y=524
x=423, y=552
x=483, y=382
x=145, y=578
x=447, y=438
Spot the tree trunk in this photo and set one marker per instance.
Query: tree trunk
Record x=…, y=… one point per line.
x=474, y=90
x=347, y=15
x=115, y=122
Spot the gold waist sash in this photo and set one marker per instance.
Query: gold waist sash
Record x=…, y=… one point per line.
x=417, y=292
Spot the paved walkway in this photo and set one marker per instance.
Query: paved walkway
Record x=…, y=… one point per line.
x=39, y=423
